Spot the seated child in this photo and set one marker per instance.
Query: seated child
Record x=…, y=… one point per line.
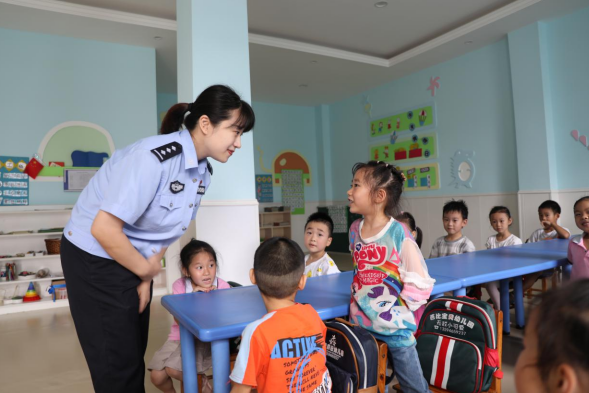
x=408, y=219
x=501, y=220
x=578, y=246
x=455, y=218
x=199, y=270
x=284, y=351
x=318, y=232
x=548, y=213
x=555, y=358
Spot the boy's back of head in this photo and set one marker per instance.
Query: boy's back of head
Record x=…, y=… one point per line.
x=549, y=204
x=456, y=206
x=322, y=218
x=279, y=264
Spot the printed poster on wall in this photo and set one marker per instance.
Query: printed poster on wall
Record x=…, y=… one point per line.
x=414, y=119
x=339, y=218
x=411, y=148
x=264, y=191
x=293, y=192
x=421, y=177
x=14, y=184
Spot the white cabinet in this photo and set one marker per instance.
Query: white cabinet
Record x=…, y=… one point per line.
x=34, y=218
x=30, y=218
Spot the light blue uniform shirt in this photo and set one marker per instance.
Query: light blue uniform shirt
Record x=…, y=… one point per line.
x=154, y=185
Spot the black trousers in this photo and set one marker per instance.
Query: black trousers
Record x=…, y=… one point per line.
x=105, y=307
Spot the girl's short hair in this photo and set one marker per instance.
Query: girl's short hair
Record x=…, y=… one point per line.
x=382, y=176
x=193, y=248
x=499, y=209
x=217, y=102
x=408, y=218
x=562, y=326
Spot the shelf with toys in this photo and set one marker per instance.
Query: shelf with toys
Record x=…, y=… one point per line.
x=275, y=221
x=27, y=259
x=23, y=234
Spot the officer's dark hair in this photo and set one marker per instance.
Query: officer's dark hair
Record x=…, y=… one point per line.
x=562, y=323
x=549, y=204
x=217, y=102
x=408, y=219
x=323, y=218
x=279, y=264
x=193, y=248
x=456, y=206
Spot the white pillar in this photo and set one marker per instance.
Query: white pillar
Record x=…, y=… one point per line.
x=213, y=48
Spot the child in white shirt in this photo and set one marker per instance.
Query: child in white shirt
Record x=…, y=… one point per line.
x=548, y=214
x=318, y=236
x=501, y=220
x=455, y=218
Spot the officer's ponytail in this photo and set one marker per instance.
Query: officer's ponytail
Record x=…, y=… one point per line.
x=217, y=102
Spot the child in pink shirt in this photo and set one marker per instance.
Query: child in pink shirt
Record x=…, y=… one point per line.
x=578, y=253
x=199, y=271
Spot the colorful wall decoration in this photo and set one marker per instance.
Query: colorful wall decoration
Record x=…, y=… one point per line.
x=421, y=177
x=264, y=192
x=579, y=138
x=406, y=121
x=293, y=193
x=14, y=184
x=291, y=160
x=407, y=149
x=91, y=143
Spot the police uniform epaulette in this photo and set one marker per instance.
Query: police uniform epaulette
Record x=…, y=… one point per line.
x=167, y=151
x=210, y=167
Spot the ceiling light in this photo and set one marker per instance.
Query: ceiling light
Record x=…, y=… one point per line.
x=467, y=42
x=157, y=38
x=303, y=85
x=381, y=4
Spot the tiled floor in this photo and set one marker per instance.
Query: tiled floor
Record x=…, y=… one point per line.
x=39, y=351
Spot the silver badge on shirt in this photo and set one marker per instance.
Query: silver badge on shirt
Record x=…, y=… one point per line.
x=176, y=187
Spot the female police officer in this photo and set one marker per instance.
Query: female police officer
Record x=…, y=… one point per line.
x=140, y=201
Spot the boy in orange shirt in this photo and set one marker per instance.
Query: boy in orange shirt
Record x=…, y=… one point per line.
x=284, y=351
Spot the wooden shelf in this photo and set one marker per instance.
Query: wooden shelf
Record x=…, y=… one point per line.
x=43, y=304
x=267, y=227
x=29, y=258
x=21, y=281
x=31, y=234
x=36, y=211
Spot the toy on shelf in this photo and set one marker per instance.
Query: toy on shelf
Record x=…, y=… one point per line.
x=26, y=275
x=58, y=291
x=31, y=295
x=10, y=272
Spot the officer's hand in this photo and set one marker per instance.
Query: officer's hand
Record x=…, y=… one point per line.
x=155, y=265
x=144, y=292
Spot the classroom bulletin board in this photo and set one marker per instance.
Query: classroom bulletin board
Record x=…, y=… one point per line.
x=403, y=122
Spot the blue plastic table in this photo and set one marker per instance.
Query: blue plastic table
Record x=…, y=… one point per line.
x=220, y=315
x=502, y=264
